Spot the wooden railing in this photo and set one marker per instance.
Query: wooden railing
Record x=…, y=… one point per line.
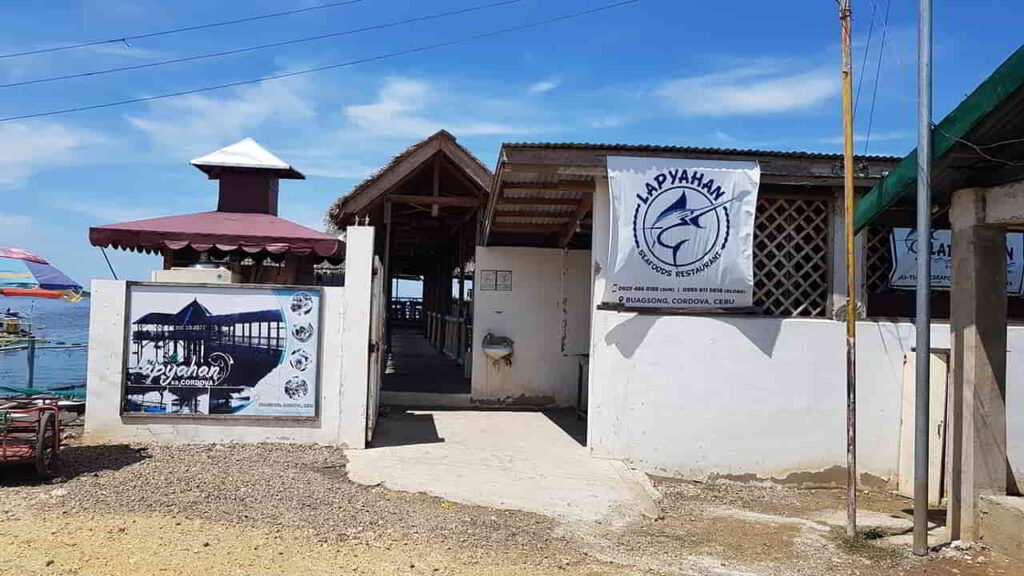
x=450, y=334
x=455, y=337
x=406, y=311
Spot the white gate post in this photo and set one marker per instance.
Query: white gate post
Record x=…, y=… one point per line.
x=355, y=362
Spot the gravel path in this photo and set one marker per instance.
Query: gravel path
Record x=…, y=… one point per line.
x=276, y=509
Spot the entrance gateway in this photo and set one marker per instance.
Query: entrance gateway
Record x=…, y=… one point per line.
x=494, y=281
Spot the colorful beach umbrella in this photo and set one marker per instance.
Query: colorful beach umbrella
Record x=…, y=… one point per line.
x=22, y=273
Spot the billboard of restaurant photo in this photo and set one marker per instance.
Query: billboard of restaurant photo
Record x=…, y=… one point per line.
x=221, y=351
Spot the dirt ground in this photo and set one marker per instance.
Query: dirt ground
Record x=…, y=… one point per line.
x=281, y=510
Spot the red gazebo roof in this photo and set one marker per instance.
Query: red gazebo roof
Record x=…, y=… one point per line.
x=251, y=233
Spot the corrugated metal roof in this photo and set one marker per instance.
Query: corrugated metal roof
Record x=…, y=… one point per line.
x=684, y=149
x=526, y=193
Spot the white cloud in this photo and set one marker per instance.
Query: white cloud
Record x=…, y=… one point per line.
x=606, y=122
x=723, y=137
x=304, y=213
x=544, y=86
x=197, y=124
x=757, y=89
x=14, y=225
x=875, y=137
x=395, y=111
x=107, y=212
x=402, y=107
x=26, y=148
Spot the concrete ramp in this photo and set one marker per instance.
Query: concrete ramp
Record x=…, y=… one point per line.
x=528, y=461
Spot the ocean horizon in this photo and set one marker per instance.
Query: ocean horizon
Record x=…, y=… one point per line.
x=59, y=322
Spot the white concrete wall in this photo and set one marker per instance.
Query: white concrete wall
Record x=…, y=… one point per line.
x=342, y=418
x=547, y=316
x=699, y=396
x=355, y=342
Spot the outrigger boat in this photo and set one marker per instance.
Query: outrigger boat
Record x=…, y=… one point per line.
x=23, y=274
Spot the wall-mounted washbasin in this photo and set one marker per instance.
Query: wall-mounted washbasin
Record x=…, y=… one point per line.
x=497, y=347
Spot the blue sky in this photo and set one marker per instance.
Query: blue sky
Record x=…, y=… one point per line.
x=736, y=73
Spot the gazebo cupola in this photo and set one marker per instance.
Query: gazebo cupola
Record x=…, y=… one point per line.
x=248, y=175
x=244, y=233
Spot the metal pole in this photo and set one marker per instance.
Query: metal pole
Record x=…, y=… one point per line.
x=846, y=17
x=104, y=252
x=31, y=352
x=923, y=290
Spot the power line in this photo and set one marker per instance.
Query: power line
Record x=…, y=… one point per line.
x=417, y=49
x=391, y=24
x=978, y=148
x=125, y=39
x=864, y=60
x=878, y=73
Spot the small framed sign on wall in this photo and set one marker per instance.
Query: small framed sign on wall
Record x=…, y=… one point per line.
x=488, y=280
x=495, y=281
x=503, y=280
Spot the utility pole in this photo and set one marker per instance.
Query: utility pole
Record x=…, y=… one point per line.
x=846, y=22
x=922, y=319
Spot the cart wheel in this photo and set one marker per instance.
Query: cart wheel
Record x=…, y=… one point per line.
x=46, y=453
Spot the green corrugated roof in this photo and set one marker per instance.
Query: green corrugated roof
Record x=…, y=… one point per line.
x=902, y=180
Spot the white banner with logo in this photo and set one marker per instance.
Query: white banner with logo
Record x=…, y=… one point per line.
x=903, y=245
x=681, y=233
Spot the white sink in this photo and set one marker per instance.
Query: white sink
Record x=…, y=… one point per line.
x=497, y=347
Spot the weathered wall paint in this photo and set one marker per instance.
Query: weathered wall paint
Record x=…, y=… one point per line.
x=705, y=396
x=546, y=314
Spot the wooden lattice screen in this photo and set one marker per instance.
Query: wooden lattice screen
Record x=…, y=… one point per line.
x=878, y=260
x=792, y=275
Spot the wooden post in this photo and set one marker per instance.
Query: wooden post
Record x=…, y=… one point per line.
x=388, y=295
x=31, y=351
x=434, y=208
x=845, y=18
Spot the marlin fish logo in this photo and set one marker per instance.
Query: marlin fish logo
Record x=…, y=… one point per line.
x=678, y=215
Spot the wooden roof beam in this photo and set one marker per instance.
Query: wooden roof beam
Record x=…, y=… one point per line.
x=500, y=227
x=581, y=212
x=464, y=201
x=531, y=214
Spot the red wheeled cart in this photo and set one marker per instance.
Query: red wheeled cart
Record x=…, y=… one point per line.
x=30, y=433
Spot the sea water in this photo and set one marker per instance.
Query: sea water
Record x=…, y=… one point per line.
x=58, y=322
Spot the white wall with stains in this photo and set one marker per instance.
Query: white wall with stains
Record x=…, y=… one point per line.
x=700, y=396
x=546, y=314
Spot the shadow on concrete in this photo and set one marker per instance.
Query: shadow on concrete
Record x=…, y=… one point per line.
x=398, y=427
x=416, y=366
x=936, y=516
x=570, y=424
x=76, y=461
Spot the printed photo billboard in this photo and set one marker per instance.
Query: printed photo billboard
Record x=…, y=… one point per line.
x=681, y=233
x=222, y=351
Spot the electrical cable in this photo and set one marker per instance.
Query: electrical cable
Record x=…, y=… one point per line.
x=387, y=56
x=978, y=148
x=391, y=24
x=864, y=60
x=878, y=73
x=125, y=39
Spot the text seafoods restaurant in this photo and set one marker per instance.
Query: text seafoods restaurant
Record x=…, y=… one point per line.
x=700, y=290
